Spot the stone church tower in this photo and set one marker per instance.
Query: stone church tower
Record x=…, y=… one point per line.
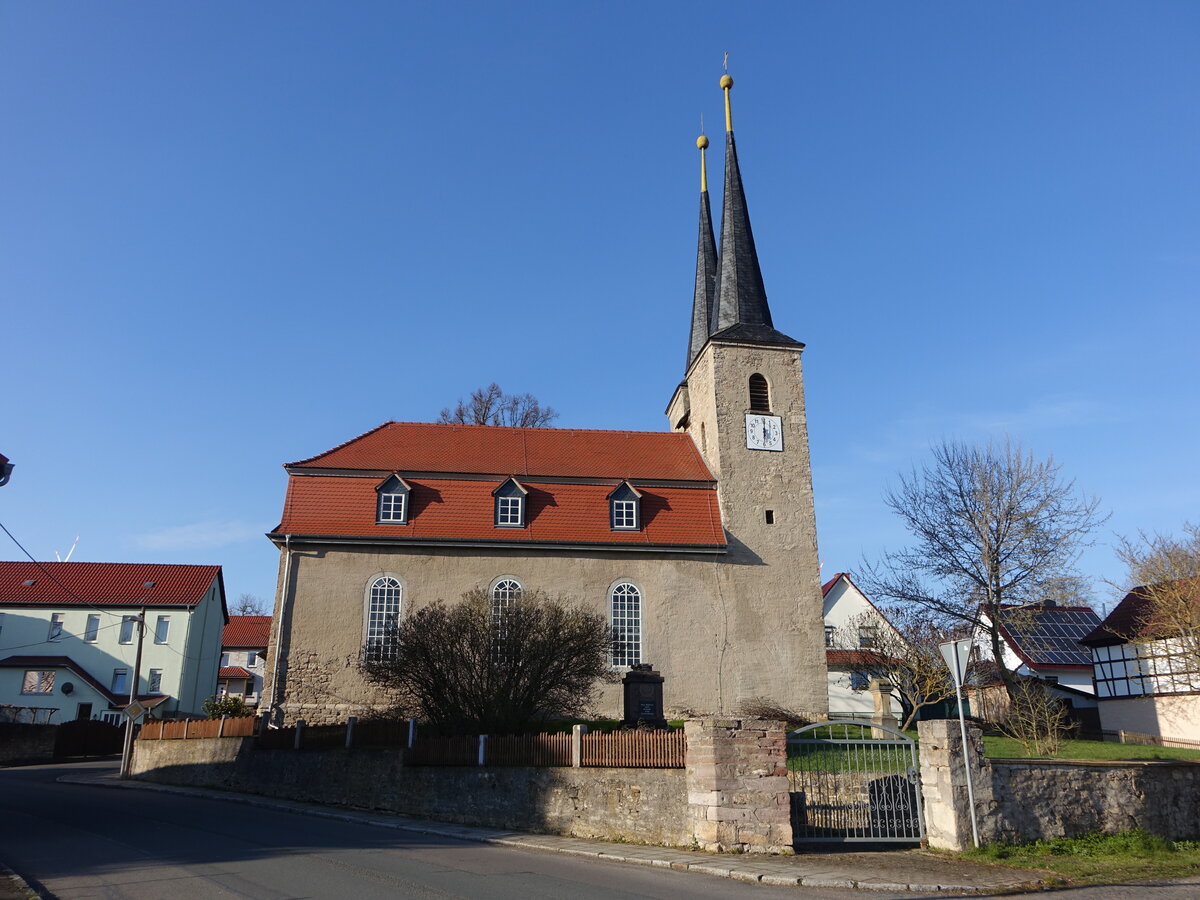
x=742, y=402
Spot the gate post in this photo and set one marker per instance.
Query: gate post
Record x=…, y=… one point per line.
x=737, y=785
x=944, y=784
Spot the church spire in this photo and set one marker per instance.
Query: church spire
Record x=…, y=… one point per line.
x=741, y=296
x=706, y=267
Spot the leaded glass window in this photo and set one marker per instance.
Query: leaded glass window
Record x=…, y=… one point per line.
x=626, y=620
x=383, y=612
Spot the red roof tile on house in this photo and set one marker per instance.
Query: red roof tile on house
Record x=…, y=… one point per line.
x=463, y=510
x=246, y=631
x=547, y=452
x=233, y=672
x=104, y=584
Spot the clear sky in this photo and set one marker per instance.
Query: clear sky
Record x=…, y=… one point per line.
x=237, y=234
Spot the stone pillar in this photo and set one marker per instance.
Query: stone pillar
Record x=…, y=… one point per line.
x=944, y=784
x=881, y=696
x=737, y=785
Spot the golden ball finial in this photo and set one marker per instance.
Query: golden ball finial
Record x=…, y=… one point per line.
x=726, y=81
x=702, y=142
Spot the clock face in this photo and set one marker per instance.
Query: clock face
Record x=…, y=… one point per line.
x=764, y=432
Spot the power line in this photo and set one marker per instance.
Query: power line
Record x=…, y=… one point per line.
x=50, y=575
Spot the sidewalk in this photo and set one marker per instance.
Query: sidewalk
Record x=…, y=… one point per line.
x=895, y=870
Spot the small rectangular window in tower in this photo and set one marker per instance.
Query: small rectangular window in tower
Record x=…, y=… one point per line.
x=770, y=517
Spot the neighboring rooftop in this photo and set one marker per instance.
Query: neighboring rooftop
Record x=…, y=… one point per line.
x=1049, y=635
x=1131, y=619
x=104, y=584
x=246, y=631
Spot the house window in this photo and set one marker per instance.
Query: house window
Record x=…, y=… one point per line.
x=92, y=632
x=392, y=508
x=830, y=635
x=1, y=623
x=127, y=623
x=868, y=636
x=225, y=660
x=383, y=612
x=625, y=508
x=120, y=681
x=510, y=505
x=760, y=394
x=162, y=629
x=38, y=682
x=770, y=517
x=56, y=627
x=626, y=620
x=154, y=681
x=859, y=681
x=251, y=659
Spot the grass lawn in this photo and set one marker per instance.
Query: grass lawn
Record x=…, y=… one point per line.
x=1007, y=748
x=1095, y=858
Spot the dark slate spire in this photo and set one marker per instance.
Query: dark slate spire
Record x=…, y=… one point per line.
x=741, y=297
x=706, y=268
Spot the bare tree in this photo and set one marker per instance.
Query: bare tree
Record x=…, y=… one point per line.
x=1165, y=570
x=477, y=668
x=905, y=652
x=491, y=406
x=993, y=529
x=248, y=605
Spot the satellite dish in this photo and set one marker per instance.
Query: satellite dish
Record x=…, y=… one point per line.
x=68, y=688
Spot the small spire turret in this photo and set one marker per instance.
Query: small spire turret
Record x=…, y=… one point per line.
x=704, y=298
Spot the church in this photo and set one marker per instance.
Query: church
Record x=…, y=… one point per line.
x=697, y=543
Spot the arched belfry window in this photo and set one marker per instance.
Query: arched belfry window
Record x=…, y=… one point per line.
x=760, y=394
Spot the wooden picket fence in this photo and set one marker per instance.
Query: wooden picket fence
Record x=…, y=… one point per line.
x=636, y=749
x=1155, y=740
x=619, y=749
x=184, y=729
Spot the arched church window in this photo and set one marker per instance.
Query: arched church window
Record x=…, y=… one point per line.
x=626, y=620
x=385, y=597
x=504, y=592
x=760, y=394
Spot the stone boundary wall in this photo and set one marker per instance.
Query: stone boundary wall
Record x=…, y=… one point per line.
x=733, y=795
x=24, y=743
x=1024, y=800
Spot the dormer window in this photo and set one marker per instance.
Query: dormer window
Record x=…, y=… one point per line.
x=510, y=504
x=625, y=508
x=392, y=508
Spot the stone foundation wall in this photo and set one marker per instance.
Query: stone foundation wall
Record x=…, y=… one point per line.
x=1023, y=800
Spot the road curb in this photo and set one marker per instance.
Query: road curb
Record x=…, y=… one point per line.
x=15, y=886
x=776, y=871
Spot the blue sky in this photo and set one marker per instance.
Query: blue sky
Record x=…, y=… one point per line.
x=234, y=235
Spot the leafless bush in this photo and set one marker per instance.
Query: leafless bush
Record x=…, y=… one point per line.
x=765, y=708
x=1037, y=721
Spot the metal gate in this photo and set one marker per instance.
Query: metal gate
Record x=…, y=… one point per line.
x=849, y=786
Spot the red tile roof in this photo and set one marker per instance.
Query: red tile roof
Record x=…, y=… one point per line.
x=854, y=657
x=105, y=584
x=233, y=672
x=1132, y=618
x=443, y=509
x=246, y=631
x=488, y=450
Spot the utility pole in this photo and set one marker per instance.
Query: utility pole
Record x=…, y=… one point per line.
x=130, y=717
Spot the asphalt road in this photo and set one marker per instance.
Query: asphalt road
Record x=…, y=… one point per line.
x=78, y=841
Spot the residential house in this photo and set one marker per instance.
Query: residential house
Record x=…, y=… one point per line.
x=1146, y=680
x=1042, y=641
x=243, y=658
x=853, y=625
x=697, y=544
x=69, y=638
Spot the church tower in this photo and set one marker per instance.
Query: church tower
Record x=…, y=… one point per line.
x=742, y=402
